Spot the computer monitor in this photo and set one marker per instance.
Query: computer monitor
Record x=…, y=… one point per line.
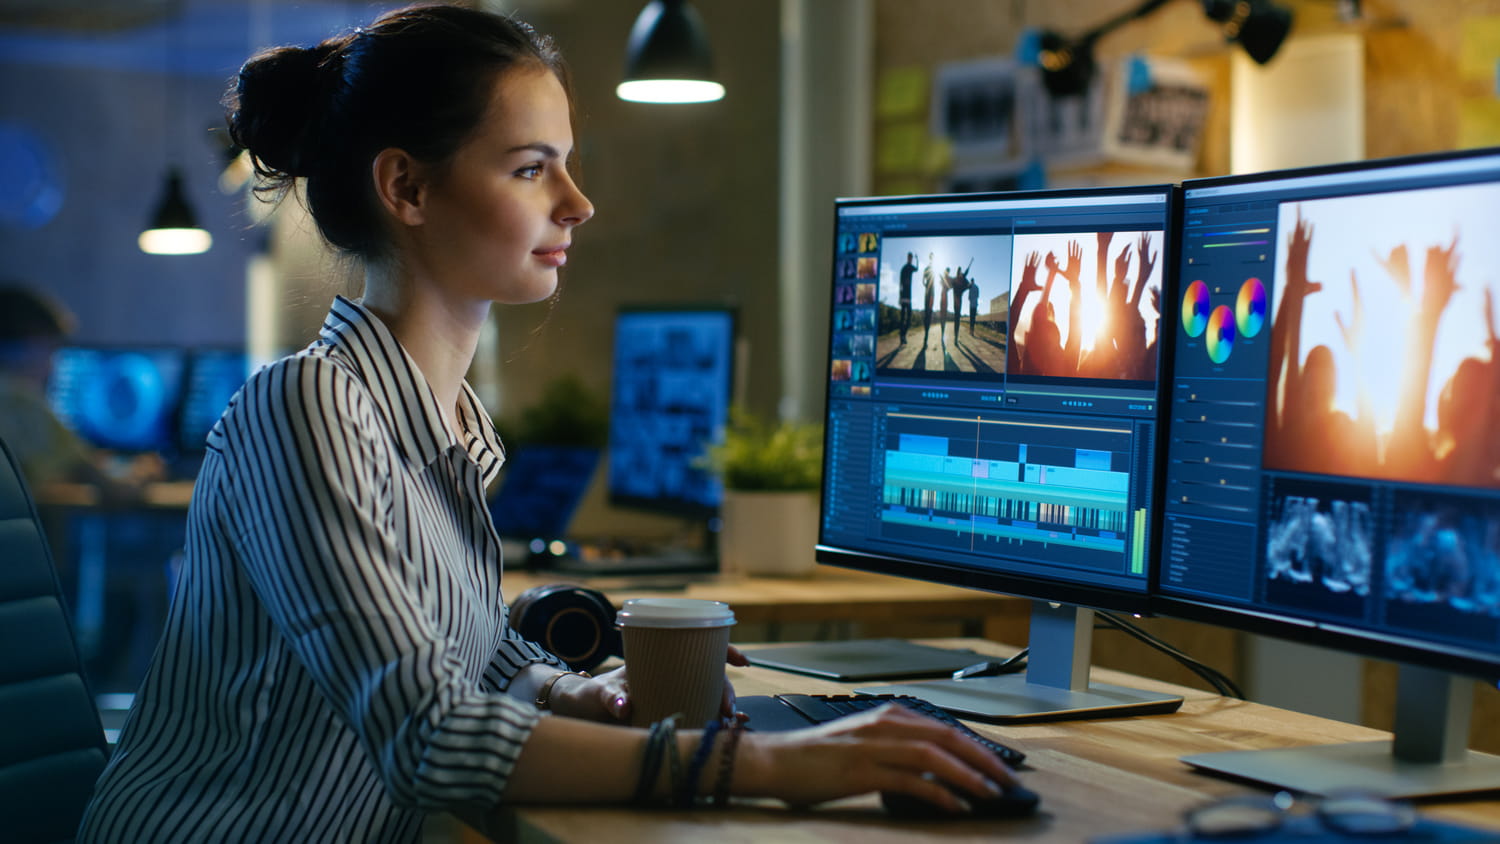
x=119, y=398
x=214, y=375
x=1333, y=462
x=992, y=416
x=670, y=394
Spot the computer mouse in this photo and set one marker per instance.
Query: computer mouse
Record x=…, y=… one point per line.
x=1014, y=801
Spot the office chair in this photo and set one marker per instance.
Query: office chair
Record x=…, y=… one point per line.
x=52, y=745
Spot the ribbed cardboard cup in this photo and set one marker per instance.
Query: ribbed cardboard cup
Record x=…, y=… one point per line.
x=674, y=658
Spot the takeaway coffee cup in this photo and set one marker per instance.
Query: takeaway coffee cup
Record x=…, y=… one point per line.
x=674, y=657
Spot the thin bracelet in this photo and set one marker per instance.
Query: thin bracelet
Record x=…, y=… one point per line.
x=650, y=764
x=726, y=763
x=688, y=793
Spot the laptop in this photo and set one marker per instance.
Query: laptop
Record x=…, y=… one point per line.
x=541, y=490
x=858, y=660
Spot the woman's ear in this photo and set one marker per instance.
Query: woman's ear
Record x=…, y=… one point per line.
x=400, y=184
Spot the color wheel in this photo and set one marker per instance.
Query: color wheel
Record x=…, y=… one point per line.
x=1250, y=308
x=1195, y=309
x=1219, y=339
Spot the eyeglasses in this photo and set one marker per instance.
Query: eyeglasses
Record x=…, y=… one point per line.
x=1355, y=813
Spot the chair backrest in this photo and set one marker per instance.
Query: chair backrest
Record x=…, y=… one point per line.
x=52, y=745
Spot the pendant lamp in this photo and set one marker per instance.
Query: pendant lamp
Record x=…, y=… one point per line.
x=174, y=228
x=667, y=58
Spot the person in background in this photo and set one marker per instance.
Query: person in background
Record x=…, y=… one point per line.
x=337, y=662
x=33, y=326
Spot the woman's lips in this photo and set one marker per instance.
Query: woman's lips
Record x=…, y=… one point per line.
x=555, y=257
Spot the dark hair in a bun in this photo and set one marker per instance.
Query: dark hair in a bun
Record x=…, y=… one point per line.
x=418, y=79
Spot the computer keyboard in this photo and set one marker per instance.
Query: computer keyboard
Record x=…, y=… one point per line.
x=821, y=708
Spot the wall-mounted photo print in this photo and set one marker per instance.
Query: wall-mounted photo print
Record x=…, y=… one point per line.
x=1160, y=122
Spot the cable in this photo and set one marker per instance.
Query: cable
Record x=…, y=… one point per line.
x=1220, y=681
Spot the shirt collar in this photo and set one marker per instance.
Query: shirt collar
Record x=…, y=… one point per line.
x=404, y=397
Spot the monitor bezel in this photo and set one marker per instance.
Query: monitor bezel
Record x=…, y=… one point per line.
x=678, y=507
x=1010, y=583
x=1263, y=621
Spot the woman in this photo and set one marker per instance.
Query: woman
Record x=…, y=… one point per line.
x=336, y=662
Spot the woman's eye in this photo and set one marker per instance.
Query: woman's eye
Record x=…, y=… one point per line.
x=530, y=171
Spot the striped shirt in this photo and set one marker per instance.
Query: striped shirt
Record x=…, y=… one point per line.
x=335, y=661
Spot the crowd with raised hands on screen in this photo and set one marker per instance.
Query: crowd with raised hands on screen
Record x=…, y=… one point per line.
x=1100, y=331
x=1308, y=430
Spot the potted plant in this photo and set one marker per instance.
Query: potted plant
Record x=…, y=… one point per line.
x=771, y=473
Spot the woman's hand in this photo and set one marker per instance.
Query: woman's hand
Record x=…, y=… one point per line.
x=886, y=749
x=607, y=697
x=603, y=698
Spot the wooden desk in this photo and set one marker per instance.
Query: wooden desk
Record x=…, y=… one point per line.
x=166, y=495
x=1096, y=778
x=830, y=595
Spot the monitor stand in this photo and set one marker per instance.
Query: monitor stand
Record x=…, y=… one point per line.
x=1055, y=685
x=1427, y=756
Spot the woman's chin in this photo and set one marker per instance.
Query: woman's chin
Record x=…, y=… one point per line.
x=528, y=294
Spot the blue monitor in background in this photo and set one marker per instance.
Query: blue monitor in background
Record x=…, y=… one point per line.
x=670, y=393
x=213, y=377
x=1333, y=458
x=125, y=399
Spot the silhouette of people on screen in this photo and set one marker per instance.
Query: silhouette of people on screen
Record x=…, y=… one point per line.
x=908, y=270
x=928, y=281
x=956, y=284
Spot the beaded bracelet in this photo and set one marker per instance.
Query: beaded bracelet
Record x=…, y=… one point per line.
x=726, y=762
x=688, y=792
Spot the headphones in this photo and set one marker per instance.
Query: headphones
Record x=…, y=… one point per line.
x=574, y=623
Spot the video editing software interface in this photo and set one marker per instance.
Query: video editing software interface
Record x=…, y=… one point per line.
x=992, y=397
x=1334, y=446
x=671, y=389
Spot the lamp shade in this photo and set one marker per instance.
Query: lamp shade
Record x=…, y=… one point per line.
x=1259, y=26
x=668, y=59
x=1264, y=30
x=174, y=227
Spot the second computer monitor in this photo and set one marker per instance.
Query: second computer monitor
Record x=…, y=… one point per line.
x=1334, y=449
x=670, y=395
x=992, y=407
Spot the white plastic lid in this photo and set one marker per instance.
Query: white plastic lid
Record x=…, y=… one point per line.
x=674, y=613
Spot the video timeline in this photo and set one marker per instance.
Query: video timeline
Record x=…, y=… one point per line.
x=1022, y=489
